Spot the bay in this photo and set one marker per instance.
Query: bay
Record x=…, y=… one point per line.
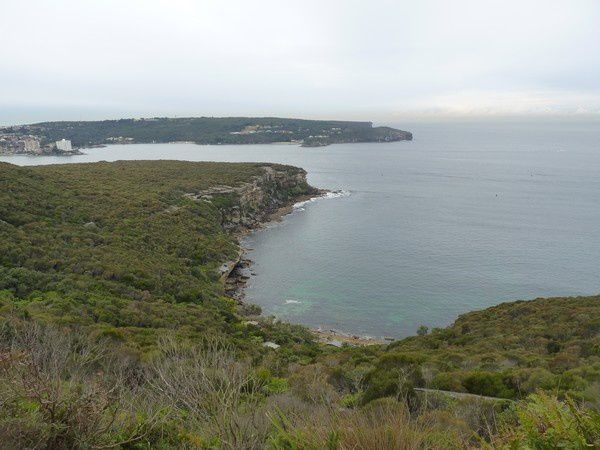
x=465, y=216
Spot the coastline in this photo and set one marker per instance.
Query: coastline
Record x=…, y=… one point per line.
x=78, y=151
x=235, y=273
x=239, y=272
x=337, y=338
x=74, y=152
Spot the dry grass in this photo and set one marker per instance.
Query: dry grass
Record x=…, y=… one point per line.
x=54, y=393
x=384, y=424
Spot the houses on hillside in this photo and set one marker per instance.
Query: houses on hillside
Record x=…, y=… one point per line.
x=26, y=144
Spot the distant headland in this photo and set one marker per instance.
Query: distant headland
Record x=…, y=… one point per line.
x=44, y=137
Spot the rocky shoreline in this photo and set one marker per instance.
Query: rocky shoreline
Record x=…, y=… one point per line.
x=236, y=273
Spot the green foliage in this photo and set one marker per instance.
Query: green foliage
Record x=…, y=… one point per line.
x=396, y=374
x=545, y=422
x=350, y=400
x=271, y=384
x=120, y=248
x=508, y=351
x=491, y=384
x=115, y=332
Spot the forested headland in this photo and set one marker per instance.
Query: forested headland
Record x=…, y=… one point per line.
x=209, y=130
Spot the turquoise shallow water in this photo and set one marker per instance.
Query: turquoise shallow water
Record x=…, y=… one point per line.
x=464, y=217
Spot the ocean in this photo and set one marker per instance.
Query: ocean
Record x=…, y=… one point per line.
x=465, y=216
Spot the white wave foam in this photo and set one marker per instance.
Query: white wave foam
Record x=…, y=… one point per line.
x=332, y=194
x=300, y=205
x=337, y=194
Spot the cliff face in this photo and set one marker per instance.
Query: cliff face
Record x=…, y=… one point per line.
x=267, y=193
x=248, y=205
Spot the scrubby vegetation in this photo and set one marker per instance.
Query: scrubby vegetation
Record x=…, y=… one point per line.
x=507, y=351
x=115, y=333
x=119, y=248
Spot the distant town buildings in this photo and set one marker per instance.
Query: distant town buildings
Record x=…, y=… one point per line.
x=64, y=145
x=120, y=139
x=17, y=141
x=13, y=144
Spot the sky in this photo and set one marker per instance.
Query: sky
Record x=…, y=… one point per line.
x=378, y=60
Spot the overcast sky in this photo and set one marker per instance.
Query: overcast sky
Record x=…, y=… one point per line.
x=378, y=60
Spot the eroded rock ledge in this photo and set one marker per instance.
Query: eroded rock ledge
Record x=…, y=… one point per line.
x=249, y=206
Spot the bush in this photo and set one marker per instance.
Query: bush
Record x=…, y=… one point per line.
x=490, y=384
x=55, y=393
x=395, y=375
x=544, y=422
x=447, y=381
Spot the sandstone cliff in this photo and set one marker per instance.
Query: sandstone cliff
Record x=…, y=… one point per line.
x=248, y=205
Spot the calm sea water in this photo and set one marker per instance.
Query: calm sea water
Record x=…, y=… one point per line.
x=463, y=217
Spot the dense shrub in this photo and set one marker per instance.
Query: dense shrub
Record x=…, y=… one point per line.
x=396, y=375
x=491, y=384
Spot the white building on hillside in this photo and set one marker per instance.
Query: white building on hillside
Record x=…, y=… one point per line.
x=64, y=145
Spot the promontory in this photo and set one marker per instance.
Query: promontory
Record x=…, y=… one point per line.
x=203, y=130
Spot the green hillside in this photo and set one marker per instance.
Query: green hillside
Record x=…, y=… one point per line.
x=115, y=332
x=119, y=247
x=210, y=130
x=506, y=351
